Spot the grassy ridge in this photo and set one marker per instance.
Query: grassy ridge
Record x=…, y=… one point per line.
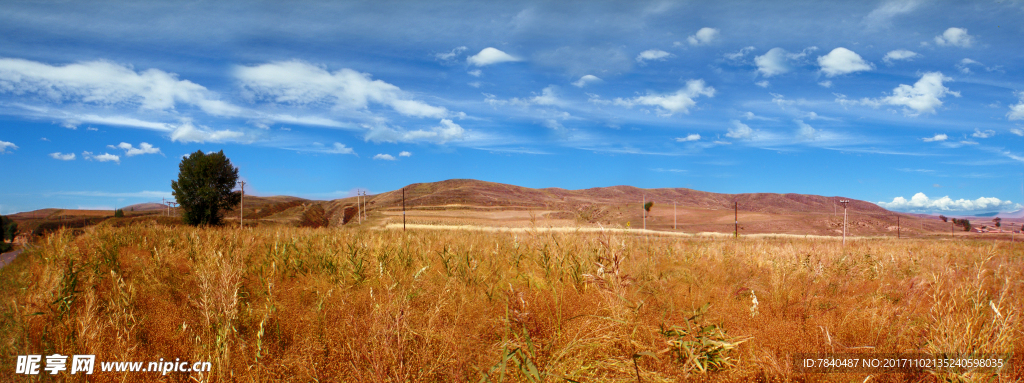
x=321, y=304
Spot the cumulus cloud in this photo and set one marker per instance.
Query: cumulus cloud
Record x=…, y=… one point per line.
x=4, y=145
x=704, y=36
x=652, y=54
x=107, y=83
x=777, y=61
x=842, y=61
x=105, y=157
x=489, y=56
x=924, y=97
x=936, y=138
x=679, y=102
x=805, y=131
x=386, y=157
x=129, y=150
x=301, y=83
x=920, y=203
x=740, y=131
x=405, y=154
x=691, y=137
x=587, y=79
x=62, y=157
x=339, y=148
x=956, y=37
x=188, y=132
x=983, y=133
x=447, y=131
x=1017, y=111
x=899, y=55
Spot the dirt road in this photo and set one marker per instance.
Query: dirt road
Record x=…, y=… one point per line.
x=8, y=257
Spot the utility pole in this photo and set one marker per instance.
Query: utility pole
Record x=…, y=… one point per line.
x=644, y=206
x=241, y=209
x=403, y=209
x=736, y=219
x=844, y=202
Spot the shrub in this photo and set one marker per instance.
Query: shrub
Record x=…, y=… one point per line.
x=314, y=216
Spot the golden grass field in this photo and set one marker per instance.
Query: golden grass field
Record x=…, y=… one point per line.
x=383, y=305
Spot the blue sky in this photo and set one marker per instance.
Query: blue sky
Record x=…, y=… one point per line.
x=918, y=105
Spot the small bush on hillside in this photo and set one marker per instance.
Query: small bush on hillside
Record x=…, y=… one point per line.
x=314, y=216
x=119, y=213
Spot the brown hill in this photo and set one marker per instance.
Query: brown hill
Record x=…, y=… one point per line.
x=472, y=193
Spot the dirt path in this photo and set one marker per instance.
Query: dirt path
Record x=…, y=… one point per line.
x=9, y=257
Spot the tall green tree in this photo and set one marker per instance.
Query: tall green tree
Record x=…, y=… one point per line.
x=204, y=187
x=8, y=229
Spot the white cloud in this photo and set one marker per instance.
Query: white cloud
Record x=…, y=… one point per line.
x=983, y=134
x=144, y=148
x=447, y=131
x=763, y=83
x=740, y=131
x=752, y=116
x=963, y=65
x=4, y=145
x=553, y=125
x=187, y=132
x=71, y=124
x=776, y=61
x=935, y=138
x=842, y=61
x=957, y=37
x=301, y=83
x=547, y=97
x=923, y=97
x=921, y=203
x=898, y=55
x=587, y=79
x=105, y=157
x=691, y=137
x=62, y=157
x=882, y=15
x=475, y=73
x=489, y=56
x=450, y=56
x=703, y=37
x=739, y=55
x=107, y=83
x=805, y=131
x=405, y=154
x=679, y=102
x=475, y=84
x=339, y=148
x=652, y=54
x=386, y=157
x=1017, y=111
x=826, y=84
x=1017, y=131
